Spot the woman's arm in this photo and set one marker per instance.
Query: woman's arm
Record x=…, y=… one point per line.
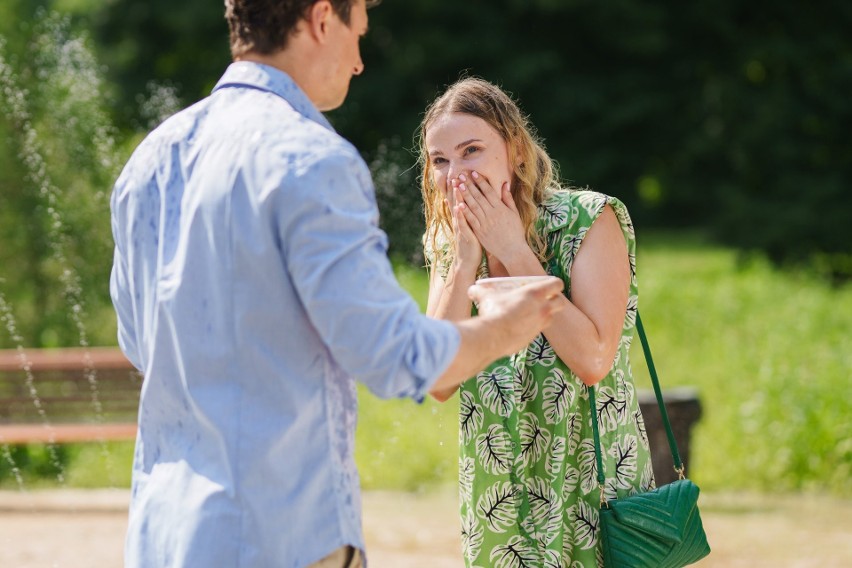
x=448, y=300
x=585, y=334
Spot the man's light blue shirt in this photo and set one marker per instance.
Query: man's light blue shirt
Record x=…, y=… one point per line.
x=253, y=289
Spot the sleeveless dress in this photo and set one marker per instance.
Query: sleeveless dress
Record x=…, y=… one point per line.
x=527, y=472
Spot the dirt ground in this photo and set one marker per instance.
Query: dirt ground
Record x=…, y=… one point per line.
x=85, y=529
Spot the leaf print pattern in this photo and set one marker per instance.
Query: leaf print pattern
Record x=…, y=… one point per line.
x=545, y=509
x=588, y=466
x=558, y=397
x=493, y=449
x=497, y=507
x=626, y=391
x=570, y=245
x=471, y=536
x=467, y=469
x=556, y=215
x=517, y=553
x=527, y=471
x=585, y=519
x=640, y=428
x=551, y=559
x=556, y=457
x=573, y=431
x=625, y=453
x=632, y=310
x=495, y=390
x=610, y=491
x=568, y=535
x=572, y=478
x=470, y=416
x=647, y=482
x=534, y=440
x=610, y=410
x=592, y=202
x=526, y=389
x=540, y=352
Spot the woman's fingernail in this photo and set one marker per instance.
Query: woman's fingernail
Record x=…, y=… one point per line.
x=475, y=175
x=462, y=187
x=461, y=177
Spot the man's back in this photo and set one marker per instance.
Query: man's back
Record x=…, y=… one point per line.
x=242, y=226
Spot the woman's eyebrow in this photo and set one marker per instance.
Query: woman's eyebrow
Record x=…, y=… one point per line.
x=466, y=142
x=458, y=147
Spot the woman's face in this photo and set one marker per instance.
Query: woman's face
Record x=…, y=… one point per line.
x=458, y=143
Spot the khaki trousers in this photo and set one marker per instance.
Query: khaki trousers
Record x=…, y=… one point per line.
x=343, y=557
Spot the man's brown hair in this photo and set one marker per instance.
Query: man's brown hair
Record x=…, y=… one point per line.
x=264, y=26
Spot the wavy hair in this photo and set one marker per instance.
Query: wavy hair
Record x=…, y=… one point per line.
x=534, y=175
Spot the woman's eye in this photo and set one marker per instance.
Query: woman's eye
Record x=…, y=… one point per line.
x=470, y=150
x=438, y=161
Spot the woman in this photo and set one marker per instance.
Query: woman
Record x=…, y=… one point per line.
x=528, y=488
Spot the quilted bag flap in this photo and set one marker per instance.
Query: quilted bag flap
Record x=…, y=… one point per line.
x=663, y=512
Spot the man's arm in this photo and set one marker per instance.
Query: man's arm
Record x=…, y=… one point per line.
x=337, y=258
x=507, y=322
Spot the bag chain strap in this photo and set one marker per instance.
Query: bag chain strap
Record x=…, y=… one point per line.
x=678, y=465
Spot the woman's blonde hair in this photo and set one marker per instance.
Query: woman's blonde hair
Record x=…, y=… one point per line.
x=534, y=174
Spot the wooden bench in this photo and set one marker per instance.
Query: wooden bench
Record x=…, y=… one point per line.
x=67, y=395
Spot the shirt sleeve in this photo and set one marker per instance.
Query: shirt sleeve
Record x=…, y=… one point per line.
x=120, y=289
x=337, y=257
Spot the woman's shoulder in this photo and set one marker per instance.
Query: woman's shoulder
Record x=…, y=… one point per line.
x=572, y=207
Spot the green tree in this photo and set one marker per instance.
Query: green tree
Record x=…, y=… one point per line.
x=58, y=162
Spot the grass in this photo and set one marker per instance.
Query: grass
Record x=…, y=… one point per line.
x=769, y=352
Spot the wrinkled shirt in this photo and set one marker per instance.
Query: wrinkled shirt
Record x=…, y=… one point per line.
x=252, y=288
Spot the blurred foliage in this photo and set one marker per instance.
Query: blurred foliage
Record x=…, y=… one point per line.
x=184, y=44
x=726, y=115
x=24, y=465
x=58, y=160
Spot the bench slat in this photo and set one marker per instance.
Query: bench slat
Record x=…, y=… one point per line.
x=64, y=391
x=66, y=432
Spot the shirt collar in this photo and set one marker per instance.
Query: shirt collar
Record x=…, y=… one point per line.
x=266, y=78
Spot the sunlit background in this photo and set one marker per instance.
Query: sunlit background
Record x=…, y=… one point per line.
x=724, y=127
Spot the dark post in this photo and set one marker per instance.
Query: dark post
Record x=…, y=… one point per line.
x=684, y=410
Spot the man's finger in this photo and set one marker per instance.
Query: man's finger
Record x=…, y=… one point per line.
x=549, y=287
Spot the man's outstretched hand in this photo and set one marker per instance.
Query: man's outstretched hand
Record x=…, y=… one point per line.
x=507, y=322
x=517, y=316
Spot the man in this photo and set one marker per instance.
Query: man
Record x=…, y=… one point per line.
x=252, y=289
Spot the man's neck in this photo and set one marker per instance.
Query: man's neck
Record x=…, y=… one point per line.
x=297, y=63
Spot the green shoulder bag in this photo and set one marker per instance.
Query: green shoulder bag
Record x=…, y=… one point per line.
x=657, y=529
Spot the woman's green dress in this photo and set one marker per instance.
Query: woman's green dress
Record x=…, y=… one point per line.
x=528, y=489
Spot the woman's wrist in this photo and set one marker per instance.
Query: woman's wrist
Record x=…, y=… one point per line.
x=522, y=261
x=464, y=269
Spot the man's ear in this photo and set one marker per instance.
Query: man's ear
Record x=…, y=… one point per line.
x=318, y=18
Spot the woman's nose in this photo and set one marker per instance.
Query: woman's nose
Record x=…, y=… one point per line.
x=454, y=170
